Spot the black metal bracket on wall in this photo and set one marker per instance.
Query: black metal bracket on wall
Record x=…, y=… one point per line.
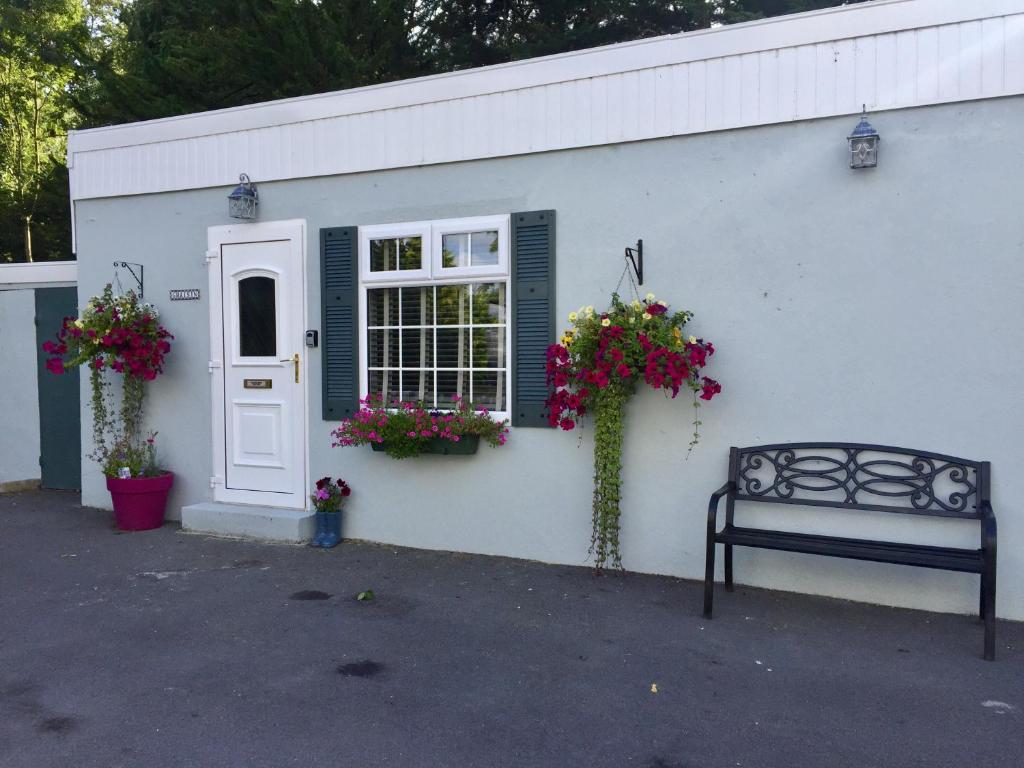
x=138, y=277
x=635, y=256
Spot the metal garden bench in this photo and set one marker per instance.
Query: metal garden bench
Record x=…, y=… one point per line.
x=852, y=476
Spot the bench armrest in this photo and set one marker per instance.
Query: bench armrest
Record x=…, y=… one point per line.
x=729, y=487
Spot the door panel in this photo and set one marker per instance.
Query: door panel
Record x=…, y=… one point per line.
x=264, y=395
x=60, y=438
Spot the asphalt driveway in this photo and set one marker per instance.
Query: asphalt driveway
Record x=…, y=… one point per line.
x=164, y=649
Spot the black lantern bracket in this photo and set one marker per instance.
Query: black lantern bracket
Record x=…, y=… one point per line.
x=131, y=267
x=635, y=259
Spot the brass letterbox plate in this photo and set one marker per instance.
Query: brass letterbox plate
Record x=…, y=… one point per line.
x=258, y=383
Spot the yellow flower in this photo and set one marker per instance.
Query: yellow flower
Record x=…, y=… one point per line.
x=590, y=309
x=572, y=317
x=606, y=322
x=647, y=315
x=637, y=304
x=632, y=321
x=693, y=339
x=663, y=302
x=650, y=297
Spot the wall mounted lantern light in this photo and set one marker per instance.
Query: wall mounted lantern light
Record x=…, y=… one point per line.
x=243, y=199
x=864, y=143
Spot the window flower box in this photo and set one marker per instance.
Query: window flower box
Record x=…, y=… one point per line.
x=409, y=429
x=467, y=445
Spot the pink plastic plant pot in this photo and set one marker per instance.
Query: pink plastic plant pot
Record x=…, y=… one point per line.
x=139, y=502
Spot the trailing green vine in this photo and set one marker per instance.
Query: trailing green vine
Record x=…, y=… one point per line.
x=596, y=366
x=608, y=429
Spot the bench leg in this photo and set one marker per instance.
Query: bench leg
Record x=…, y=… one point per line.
x=988, y=612
x=709, y=578
x=728, y=567
x=981, y=599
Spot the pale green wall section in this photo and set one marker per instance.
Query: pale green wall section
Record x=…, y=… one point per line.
x=877, y=306
x=19, y=391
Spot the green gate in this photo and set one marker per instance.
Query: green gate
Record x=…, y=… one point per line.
x=60, y=439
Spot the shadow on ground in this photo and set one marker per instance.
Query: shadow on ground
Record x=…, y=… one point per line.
x=164, y=649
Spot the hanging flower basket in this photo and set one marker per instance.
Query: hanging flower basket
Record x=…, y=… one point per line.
x=120, y=338
x=597, y=366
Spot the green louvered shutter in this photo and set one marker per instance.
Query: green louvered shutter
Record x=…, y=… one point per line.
x=339, y=285
x=533, y=313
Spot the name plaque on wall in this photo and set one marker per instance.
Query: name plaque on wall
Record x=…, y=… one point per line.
x=258, y=383
x=184, y=294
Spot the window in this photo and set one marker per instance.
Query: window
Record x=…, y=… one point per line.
x=434, y=304
x=257, y=317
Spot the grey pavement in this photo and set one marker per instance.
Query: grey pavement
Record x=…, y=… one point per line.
x=165, y=649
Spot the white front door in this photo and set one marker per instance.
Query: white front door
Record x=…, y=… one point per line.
x=262, y=413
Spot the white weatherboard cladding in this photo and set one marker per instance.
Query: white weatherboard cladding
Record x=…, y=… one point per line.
x=885, y=55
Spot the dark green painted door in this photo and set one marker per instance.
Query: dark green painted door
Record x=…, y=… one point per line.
x=60, y=439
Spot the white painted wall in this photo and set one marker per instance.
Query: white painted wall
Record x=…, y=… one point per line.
x=19, y=435
x=876, y=306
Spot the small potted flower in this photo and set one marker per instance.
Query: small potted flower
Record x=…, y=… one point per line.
x=138, y=486
x=328, y=498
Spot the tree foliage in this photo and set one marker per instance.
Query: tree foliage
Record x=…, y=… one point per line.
x=35, y=70
x=83, y=63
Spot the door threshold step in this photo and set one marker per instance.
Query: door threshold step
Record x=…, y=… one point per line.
x=249, y=521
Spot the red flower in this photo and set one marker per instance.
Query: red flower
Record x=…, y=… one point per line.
x=55, y=365
x=656, y=309
x=709, y=389
x=567, y=424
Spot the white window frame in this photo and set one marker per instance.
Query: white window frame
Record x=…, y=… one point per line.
x=477, y=224
x=433, y=274
x=419, y=229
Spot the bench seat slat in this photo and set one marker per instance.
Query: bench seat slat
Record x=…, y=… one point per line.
x=945, y=558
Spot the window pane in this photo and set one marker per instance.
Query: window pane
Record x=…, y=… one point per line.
x=453, y=347
x=449, y=384
x=485, y=249
x=488, y=303
x=489, y=347
x=489, y=391
x=418, y=306
x=418, y=387
x=382, y=307
x=418, y=348
x=453, y=305
x=257, y=317
x=410, y=253
x=382, y=255
x=384, y=383
x=398, y=253
x=382, y=349
x=455, y=250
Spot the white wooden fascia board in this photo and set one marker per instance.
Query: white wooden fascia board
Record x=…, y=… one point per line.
x=38, y=273
x=843, y=22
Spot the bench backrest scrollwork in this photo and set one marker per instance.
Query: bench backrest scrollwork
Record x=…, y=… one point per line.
x=852, y=475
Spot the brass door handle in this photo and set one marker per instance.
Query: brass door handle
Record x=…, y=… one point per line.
x=293, y=359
